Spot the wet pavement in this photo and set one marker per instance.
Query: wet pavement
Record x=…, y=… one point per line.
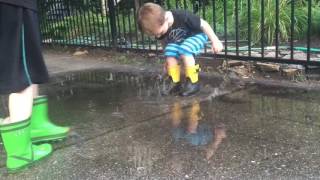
x=123, y=128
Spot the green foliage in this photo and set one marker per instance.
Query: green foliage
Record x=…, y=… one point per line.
x=87, y=19
x=300, y=21
x=86, y=24
x=316, y=18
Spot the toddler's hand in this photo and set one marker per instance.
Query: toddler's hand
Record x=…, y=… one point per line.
x=216, y=46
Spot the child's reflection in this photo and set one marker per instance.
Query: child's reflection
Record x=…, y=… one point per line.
x=219, y=135
x=195, y=131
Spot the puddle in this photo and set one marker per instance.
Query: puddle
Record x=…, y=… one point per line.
x=122, y=127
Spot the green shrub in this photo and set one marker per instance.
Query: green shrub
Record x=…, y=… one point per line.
x=86, y=24
x=300, y=23
x=91, y=23
x=316, y=19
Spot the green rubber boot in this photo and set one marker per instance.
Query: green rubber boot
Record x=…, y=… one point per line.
x=19, y=148
x=41, y=127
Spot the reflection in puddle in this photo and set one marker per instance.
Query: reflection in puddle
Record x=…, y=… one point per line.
x=195, y=131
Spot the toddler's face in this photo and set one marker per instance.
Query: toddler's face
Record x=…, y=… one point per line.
x=162, y=29
x=159, y=31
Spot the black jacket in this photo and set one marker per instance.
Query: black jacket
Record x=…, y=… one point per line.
x=29, y=4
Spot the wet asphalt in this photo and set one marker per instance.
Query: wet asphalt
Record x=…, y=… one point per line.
x=123, y=128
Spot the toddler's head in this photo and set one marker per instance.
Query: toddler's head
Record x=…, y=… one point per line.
x=152, y=19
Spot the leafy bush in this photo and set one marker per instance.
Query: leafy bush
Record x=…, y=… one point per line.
x=84, y=18
x=316, y=18
x=300, y=21
x=86, y=24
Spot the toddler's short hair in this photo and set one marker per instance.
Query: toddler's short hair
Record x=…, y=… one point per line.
x=150, y=16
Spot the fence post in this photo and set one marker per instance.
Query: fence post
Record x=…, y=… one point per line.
x=113, y=26
x=103, y=8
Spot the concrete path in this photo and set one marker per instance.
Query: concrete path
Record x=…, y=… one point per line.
x=123, y=129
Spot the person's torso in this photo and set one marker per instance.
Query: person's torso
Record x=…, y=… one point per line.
x=29, y=4
x=185, y=25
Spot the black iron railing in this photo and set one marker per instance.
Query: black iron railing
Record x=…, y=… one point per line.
x=282, y=31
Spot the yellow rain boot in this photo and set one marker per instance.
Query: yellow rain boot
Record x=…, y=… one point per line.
x=172, y=84
x=192, y=77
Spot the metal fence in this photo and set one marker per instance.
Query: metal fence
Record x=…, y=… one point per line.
x=282, y=31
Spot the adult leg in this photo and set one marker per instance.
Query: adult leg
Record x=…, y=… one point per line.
x=15, y=132
x=15, y=80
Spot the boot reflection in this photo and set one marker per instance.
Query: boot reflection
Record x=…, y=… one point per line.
x=194, y=117
x=176, y=114
x=189, y=128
